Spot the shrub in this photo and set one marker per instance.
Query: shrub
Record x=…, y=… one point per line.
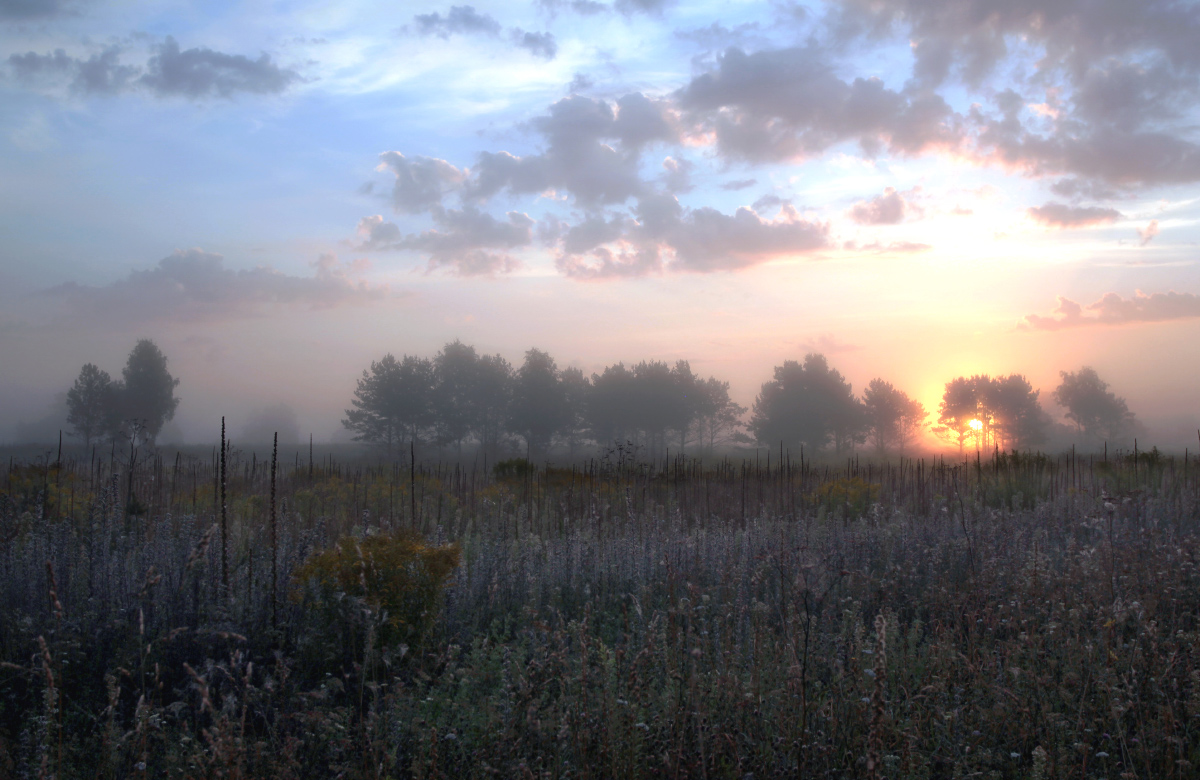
x=396, y=574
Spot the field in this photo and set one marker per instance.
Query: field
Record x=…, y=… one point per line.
x=1018, y=616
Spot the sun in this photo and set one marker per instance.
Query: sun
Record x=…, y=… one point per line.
x=975, y=425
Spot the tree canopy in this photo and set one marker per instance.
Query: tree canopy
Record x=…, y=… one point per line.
x=809, y=404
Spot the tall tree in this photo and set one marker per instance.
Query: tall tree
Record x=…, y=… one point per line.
x=490, y=399
x=718, y=418
x=893, y=418
x=392, y=402
x=539, y=405
x=455, y=370
x=808, y=404
x=611, y=405
x=577, y=388
x=962, y=413
x=1097, y=413
x=147, y=393
x=1017, y=419
x=90, y=403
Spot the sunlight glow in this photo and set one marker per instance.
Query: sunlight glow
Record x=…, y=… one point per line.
x=975, y=425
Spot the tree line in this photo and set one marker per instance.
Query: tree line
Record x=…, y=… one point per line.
x=460, y=396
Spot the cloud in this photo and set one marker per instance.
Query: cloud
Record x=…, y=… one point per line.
x=27, y=10
x=421, y=182
x=194, y=285
x=539, y=44
x=459, y=20
x=665, y=236
x=970, y=38
x=787, y=104
x=464, y=241
x=1060, y=215
x=169, y=72
x=465, y=20
x=889, y=208
x=581, y=7
x=202, y=72
x=101, y=74
x=649, y=7
x=892, y=248
x=739, y=184
x=1112, y=309
x=1148, y=233
x=593, y=151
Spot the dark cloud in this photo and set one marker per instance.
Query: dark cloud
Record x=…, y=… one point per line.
x=580, y=83
x=465, y=241
x=192, y=285
x=539, y=44
x=102, y=73
x=788, y=103
x=459, y=20
x=593, y=151
x=1061, y=215
x=421, y=182
x=650, y=7
x=1112, y=309
x=1119, y=80
x=739, y=184
x=170, y=71
x=28, y=10
x=677, y=175
x=202, y=72
x=890, y=208
x=971, y=37
x=665, y=236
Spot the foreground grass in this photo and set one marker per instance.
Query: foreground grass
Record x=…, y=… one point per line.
x=849, y=625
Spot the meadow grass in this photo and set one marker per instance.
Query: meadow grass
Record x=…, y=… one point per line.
x=1006, y=617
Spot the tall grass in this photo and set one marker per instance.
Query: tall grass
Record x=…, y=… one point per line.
x=1000, y=617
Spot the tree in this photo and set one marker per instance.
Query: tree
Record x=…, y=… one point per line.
x=810, y=404
x=147, y=393
x=610, y=408
x=893, y=418
x=490, y=398
x=455, y=369
x=961, y=412
x=90, y=404
x=539, y=404
x=718, y=418
x=1017, y=419
x=577, y=388
x=1098, y=414
x=1003, y=411
x=392, y=402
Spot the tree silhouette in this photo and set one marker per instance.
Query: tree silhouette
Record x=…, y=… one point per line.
x=1003, y=411
x=893, y=418
x=455, y=370
x=490, y=397
x=1018, y=420
x=90, y=404
x=718, y=418
x=1098, y=414
x=808, y=404
x=392, y=402
x=539, y=404
x=147, y=393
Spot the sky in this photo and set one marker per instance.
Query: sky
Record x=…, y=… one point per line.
x=279, y=193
